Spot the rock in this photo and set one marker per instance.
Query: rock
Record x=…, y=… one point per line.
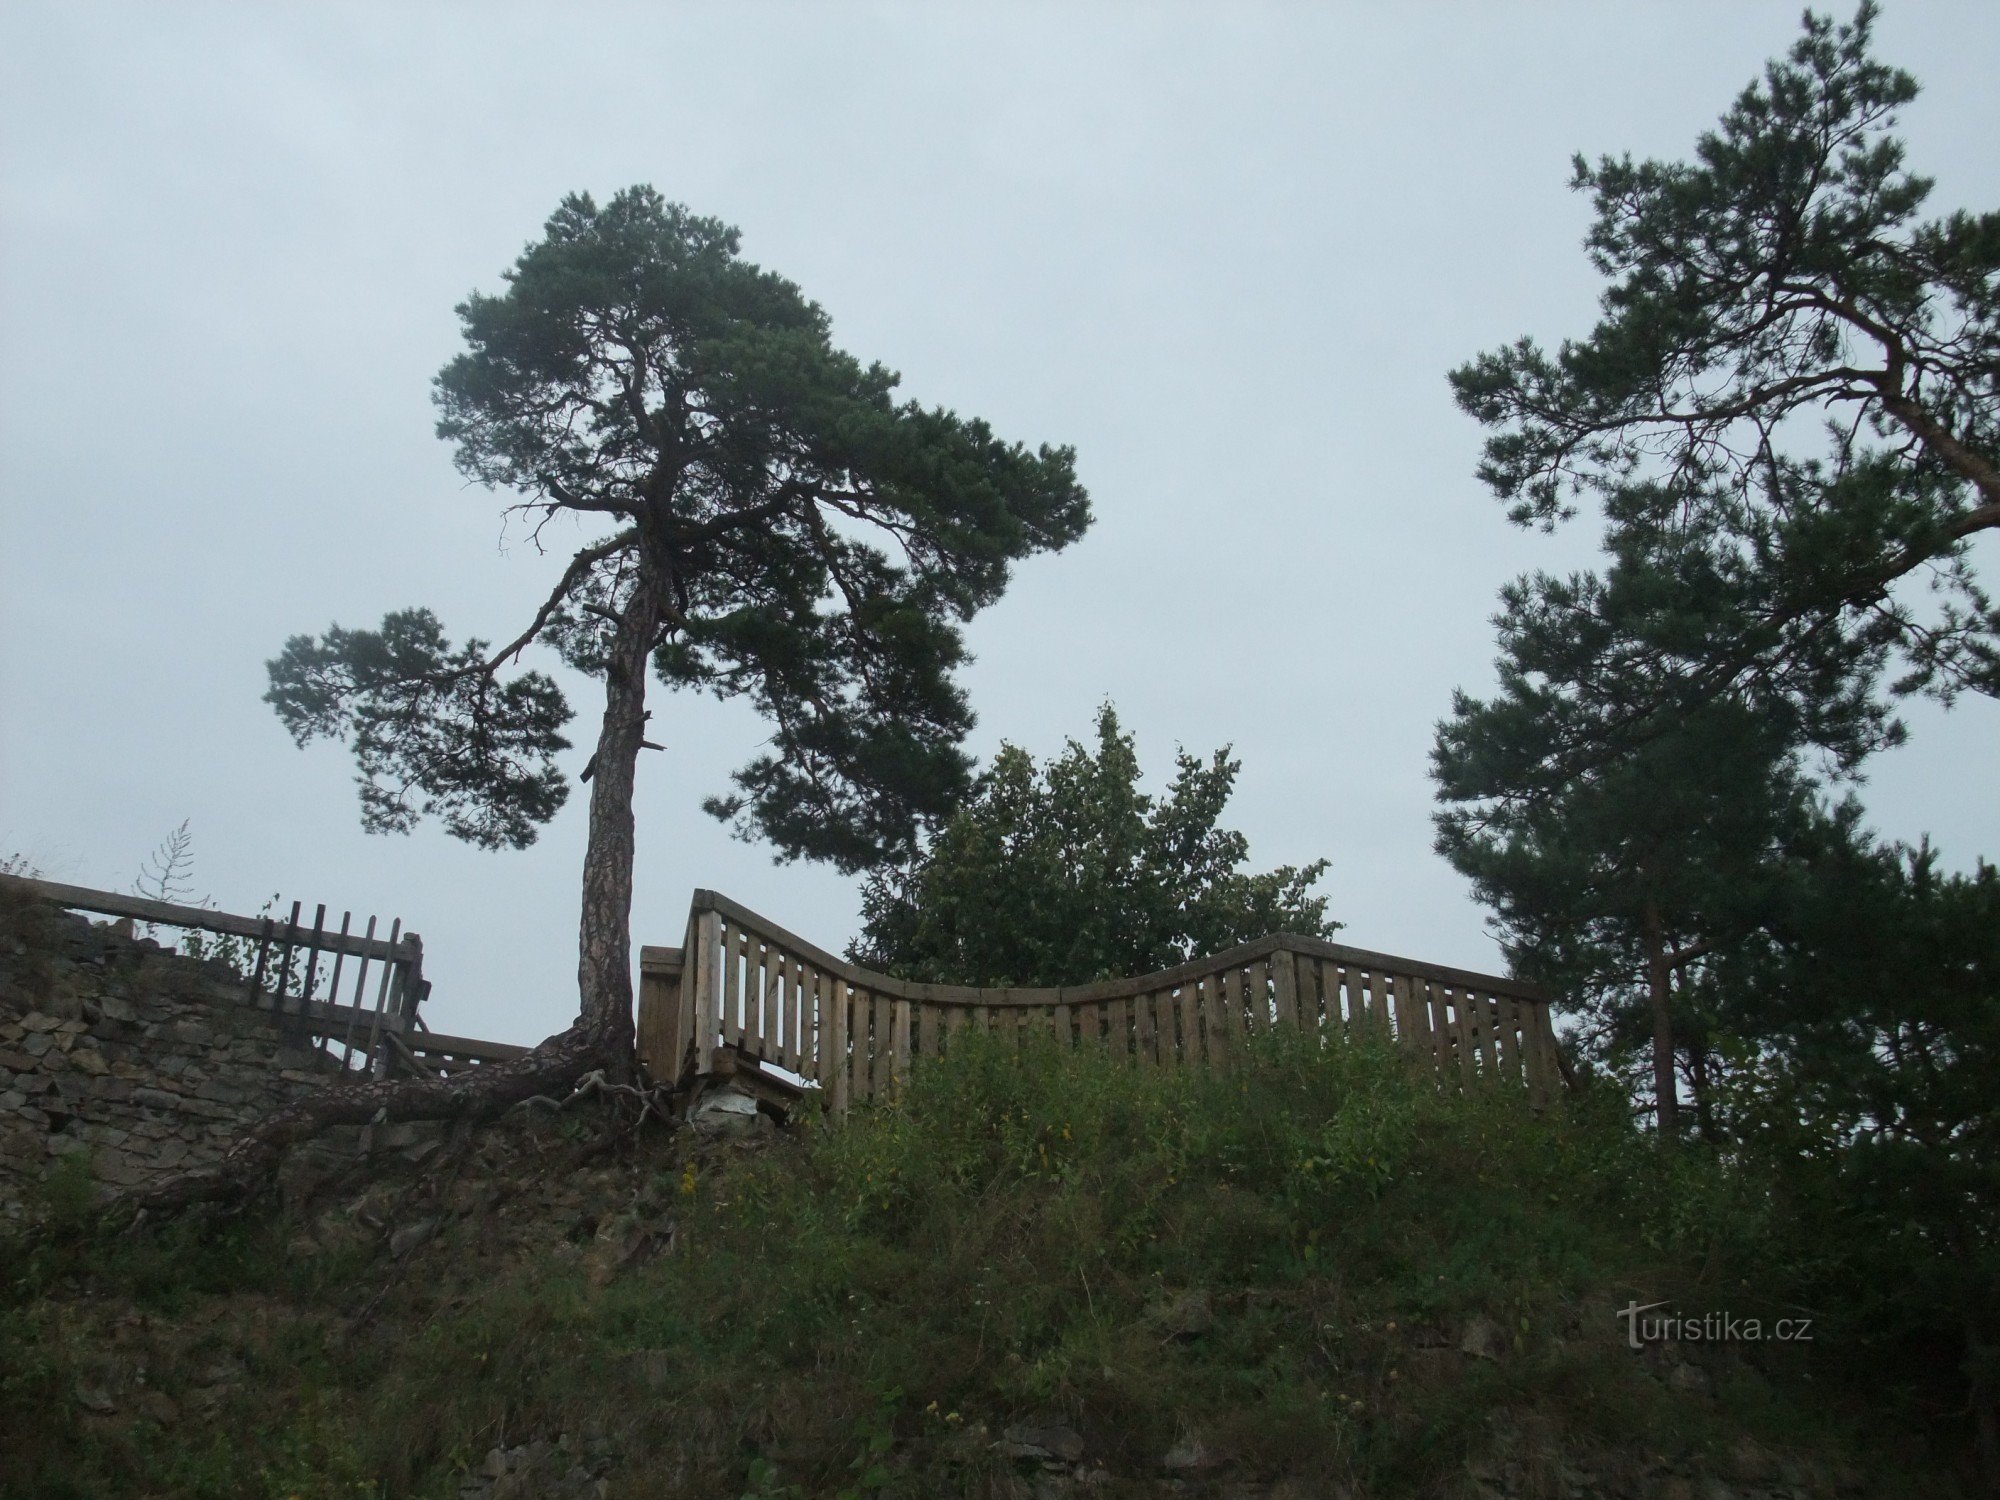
x=407, y=1238
x=1691, y=1380
x=158, y=1406
x=725, y=1113
x=652, y=1368
x=1483, y=1339
x=1028, y=1441
x=219, y=1372
x=1189, y=1453
x=1186, y=1316
x=95, y=1398
x=89, y=1060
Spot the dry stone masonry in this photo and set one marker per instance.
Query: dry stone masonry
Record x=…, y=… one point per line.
x=136, y=1058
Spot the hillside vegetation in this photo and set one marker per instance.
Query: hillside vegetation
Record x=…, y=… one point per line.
x=1041, y=1275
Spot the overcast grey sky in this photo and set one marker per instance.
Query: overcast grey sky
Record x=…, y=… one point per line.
x=1227, y=251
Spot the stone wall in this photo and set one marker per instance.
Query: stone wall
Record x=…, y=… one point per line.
x=140, y=1058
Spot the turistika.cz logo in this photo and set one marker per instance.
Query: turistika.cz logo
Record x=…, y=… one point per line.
x=1708, y=1328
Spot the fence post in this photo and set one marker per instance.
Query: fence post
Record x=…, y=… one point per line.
x=707, y=1007
x=659, y=1027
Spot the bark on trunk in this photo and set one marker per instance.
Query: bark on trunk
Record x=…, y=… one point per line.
x=604, y=939
x=1704, y=1097
x=602, y=1036
x=1659, y=984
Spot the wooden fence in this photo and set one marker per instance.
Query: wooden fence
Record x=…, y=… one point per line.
x=744, y=986
x=303, y=970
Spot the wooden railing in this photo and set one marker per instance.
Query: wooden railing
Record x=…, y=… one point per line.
x=743, y=984
x=355, y=993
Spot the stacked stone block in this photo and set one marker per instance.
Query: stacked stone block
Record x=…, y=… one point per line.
x=140, y=1059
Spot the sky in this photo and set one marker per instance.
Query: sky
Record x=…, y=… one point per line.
x=1227, y=252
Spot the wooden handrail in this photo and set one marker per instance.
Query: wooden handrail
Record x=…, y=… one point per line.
x=1112, y=989
x=168, y=913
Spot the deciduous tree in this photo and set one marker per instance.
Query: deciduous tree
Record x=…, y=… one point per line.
x=1068, y=873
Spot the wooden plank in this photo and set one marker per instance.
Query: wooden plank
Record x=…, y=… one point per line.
x=1285, y=989
x=708, y=987
x=786, y=997
x=839, y=1066
x=1414, y=997
x=1145, y=1032
x=706, y=900
x=1235, y=1018
x=1444, y=1029
x=817, y=1021
x=471, y=1048
x=355, y=1007
x=1257, y=993
x=1189, y=1055
x=659, y=1004
x=1065, y=1027
x=1504, y=1045
x=788, y=1004
x=880, y=1042
x=1489, y=1020
x=171, y=914
x=729, y=987
x=763, y=991
x=801, y=1029
x=1379, y=999
x=900, y=1040
x=1465, y=1028
x=1208, y=998
x=1308, y=968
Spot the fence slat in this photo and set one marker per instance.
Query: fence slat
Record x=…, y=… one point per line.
x=1145, y=1031
x=836, y=1066
x=878, y=1044
x=1189, y=1053
x=1285, y=990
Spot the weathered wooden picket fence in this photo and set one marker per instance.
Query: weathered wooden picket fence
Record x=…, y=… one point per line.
x=301, y=970
x=741, y=988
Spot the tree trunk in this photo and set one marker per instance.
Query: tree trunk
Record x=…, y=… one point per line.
x=1704, y=1100
x=604, y=939
x=600, y=1038
x=1659, y=985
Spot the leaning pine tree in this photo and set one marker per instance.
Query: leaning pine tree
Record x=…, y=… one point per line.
x=772, y=523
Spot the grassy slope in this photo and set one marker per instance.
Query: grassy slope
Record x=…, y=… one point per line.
x=864, y=1309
